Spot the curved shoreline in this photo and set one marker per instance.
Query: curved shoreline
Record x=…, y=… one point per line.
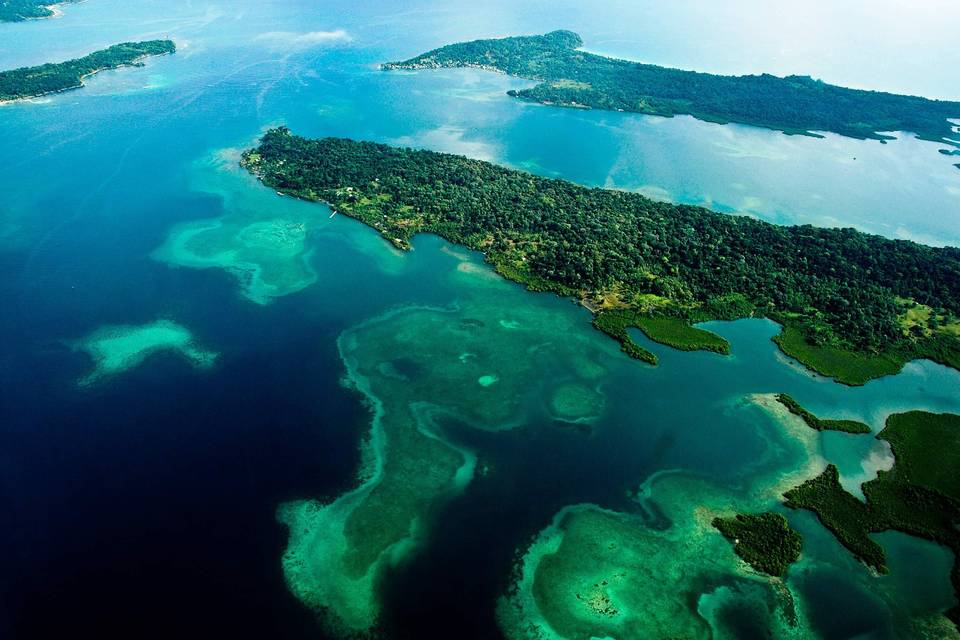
x=541, y=256
x=531, y=607
x=568, y=75
x=326, y=543
x=348, y=602
x=78, y=83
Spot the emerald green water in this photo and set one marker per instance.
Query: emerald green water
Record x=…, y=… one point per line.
x=287, y=428
x=496, y=359
x=117, y=349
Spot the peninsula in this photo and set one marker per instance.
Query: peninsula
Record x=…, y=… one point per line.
x=821, y=424
x=571, y=77
x=32, y=82
x=854, y=306
x=20, y=10
x=920, y=496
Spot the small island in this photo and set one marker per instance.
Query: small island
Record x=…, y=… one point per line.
x=920, y=496
x=20, y=10
x=33, y=82
x=571, y=77
x=847, y=426
x=765, y=541
x=854, y=306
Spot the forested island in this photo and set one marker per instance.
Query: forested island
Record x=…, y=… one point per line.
x=794, y=104
x=920, y=496
x=765, y=541
x=20, y=10
x=32, y=82
x=821, y=424
x=853, y=305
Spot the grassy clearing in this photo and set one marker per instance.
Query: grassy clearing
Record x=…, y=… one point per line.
x=857, y=368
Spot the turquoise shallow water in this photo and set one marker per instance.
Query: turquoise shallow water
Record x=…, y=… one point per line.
x=182, y=466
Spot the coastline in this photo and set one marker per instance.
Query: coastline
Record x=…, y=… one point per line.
x=797, y=429
x=573, y=42
x=136, y=62
x=809, y=365
x=56, y=10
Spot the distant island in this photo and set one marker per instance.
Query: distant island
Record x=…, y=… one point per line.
x=919, y=496
x=854, y=306
x=20, y=10
x=32, y=82
x=794, y=104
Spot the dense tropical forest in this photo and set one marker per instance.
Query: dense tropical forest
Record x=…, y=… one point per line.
x=839, y=291
x=765, y=540
x=30, y=82
x=19, y=10
x=794, y=104
x=919, y=496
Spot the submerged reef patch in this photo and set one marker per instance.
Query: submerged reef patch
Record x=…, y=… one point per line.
x=576, y=403
x=268, y=256
x=597, y=573
x=261, y=240
x=419, y=368
x=119, y=348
